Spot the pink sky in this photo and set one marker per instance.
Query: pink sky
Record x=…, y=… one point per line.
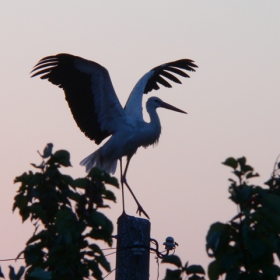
x=232, y=103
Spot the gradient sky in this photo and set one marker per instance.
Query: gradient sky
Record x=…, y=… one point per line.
x=232, y=103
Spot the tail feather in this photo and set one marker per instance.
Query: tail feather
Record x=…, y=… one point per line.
x=96, y=160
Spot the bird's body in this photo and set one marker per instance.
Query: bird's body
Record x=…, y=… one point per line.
x=132, y=135
x=98, y=112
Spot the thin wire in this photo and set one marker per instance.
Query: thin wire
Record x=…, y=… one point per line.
x=109, y=273
x=11, y=259
x=116, y=267
x=157, y=267
x=123, y=262
x=110, y=254
x=108, y=249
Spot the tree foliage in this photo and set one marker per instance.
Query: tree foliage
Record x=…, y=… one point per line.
x=65, y=214
x=245, y=247
x=193, y=272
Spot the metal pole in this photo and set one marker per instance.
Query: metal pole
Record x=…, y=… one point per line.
x=133, y=248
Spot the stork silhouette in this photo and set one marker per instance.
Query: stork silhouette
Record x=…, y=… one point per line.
x=99, y=114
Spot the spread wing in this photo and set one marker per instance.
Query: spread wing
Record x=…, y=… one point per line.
x=88, y=91
x=151, y=80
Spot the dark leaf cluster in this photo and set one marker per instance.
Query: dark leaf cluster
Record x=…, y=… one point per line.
x=244, y=248
x=66, y=216
x=13, y=275
x=193, y=272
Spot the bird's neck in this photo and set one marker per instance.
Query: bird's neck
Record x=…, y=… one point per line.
x=154, y=119
x=152, y=130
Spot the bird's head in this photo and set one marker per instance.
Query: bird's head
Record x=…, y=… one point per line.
x=155, y=102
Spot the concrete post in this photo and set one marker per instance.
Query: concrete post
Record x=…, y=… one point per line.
x=133, y=253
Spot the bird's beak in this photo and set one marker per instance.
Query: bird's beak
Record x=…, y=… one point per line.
x=170, y=107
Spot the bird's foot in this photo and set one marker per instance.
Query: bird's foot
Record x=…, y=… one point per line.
x=141, y=210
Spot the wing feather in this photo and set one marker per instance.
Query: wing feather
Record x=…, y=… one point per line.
x=177, y=71
x=163, y=82
x=151, y=80
x=88, y=91
x=174, y=66
x=171, y=77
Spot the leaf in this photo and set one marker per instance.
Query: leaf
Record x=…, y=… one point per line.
x=12, y=274
x=36, y=179
x=1, y=273
x=96, y=272
x=103, y=176
x=41, y=274
x=24, y=214
x=243, y=166
x=102, y=229
x=230, y=257
x=237, y=173
x=271, y=271
x=195, y=269
x=232, y=274
x=95, y=172
x=215, y=236
x=33, y=253
x=110, y=195
x=104, y=263
x=20, y=202
x=272, y=202
x=173, y=259
x=251, y=175
x=47, y=150
x=36, y=210
x=20, y=272
x=102, y=220
x=111, y=180
x=24, y=178
x=81, y=183
x=173, y=274
x=41, y=166
x=65, y=221
x=231, y=162
x=96, y=248
x=42, y=235
x=256, y=248
x=242, y=161
x=240, y=194
x=213, y=242
x=61, y=157
x=214, y=270
x=67, y=179
x=99, y=218
x=196, y=277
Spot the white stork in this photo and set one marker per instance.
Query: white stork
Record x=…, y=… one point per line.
x=99, y=114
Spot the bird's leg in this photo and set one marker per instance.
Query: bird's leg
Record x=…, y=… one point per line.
x=123, y=180
x=122, y=186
